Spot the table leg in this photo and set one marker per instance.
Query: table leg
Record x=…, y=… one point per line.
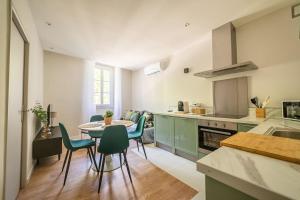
x=95, y=148
x=58, y=156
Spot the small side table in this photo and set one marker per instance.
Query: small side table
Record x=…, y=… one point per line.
x=47, y=146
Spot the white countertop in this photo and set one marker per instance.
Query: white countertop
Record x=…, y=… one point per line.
x=247, y=120
x=256, y=175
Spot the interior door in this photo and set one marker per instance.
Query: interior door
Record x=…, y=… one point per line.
x=14, y=128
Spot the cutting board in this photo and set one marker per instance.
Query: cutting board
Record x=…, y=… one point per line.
x=271, y=146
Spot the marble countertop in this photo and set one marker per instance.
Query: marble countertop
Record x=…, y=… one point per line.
x=247, y=120
x=256, y=175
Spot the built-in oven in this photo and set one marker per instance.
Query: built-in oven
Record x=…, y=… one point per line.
x=211, y=133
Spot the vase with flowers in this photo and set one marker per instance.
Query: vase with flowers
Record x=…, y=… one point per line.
x=41, y=115
x=108, y=117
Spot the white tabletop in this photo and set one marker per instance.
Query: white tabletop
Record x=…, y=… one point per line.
x=100, y=125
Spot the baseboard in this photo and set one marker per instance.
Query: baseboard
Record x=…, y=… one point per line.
x=30, y=172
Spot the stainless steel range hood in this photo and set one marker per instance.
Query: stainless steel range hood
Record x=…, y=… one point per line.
x=224, y=54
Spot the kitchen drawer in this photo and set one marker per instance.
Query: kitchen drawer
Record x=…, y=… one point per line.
x=218, y=124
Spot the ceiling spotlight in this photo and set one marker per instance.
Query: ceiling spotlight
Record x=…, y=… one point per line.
x=186, y=24
x=48, y=23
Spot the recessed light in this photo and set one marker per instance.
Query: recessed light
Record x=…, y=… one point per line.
x=48, y=23
x=186, y=24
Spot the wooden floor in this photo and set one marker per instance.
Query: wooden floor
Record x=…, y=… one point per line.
x=149, y=182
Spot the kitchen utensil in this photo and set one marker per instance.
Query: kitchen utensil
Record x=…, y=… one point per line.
x=266, y=102
x=254, y=100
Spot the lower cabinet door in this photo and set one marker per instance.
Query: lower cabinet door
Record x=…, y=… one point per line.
x=186, y=135
x=164, y=129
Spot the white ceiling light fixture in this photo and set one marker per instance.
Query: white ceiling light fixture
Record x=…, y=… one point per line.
x=152, y=69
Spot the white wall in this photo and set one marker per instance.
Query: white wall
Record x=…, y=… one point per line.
x=271, y=42
x=35, y=76
x=65, y=82
x=126, y=89
x=4, y=59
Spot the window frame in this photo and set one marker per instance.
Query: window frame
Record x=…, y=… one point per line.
x=112, y=92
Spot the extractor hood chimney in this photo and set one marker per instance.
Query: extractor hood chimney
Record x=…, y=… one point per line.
x=224, y=54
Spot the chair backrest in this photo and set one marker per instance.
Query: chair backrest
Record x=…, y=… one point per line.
x=140, y=125
x=65, y=136
x=96, y=118
x=114, y=140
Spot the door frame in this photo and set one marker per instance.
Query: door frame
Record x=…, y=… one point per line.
x=24, y=141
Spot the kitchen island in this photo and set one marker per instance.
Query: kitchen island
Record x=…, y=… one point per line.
x=235, y=174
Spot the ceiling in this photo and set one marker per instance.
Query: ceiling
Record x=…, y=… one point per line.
x=132, y=33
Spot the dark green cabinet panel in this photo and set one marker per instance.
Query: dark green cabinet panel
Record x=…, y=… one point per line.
x=164, y=129
x=186, y=135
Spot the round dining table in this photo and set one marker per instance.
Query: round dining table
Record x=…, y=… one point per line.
x=96, y=130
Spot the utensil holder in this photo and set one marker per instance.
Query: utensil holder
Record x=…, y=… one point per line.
x=260, y=112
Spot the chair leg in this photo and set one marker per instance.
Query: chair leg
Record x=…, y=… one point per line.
x=93, y=158
x=120, y=157
x=101, y=174
x=68, y=166
x=100, y=160
x=143, y=148
x=137, y=144
x=89, y=153
x=125, y=159
x=65, y=161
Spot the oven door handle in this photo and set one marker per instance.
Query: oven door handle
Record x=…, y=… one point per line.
x=215, y=131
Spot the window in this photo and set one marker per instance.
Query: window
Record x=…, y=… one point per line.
x=103, y=86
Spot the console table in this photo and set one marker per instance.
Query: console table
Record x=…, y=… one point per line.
x=47, y=146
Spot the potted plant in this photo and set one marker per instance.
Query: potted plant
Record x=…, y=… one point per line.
x=108, y=117
x=41, y=115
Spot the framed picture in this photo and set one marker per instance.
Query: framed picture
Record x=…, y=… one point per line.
x=296, y=10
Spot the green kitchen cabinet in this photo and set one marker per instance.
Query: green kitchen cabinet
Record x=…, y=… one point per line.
x=164, y=129
x=217, y=190
x=186, y=135
x=245, y=127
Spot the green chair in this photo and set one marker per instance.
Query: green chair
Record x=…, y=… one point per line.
x=74, y=145
x=96, y=134
x=94, y=118
x=114, y=140
x=138, y=133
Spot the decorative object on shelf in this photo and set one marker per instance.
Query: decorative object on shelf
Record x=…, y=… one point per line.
x=52, y=116
x=108, y=117
x=260, y=112
x=41, y=115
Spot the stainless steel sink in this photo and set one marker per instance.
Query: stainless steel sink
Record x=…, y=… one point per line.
x=285, y=132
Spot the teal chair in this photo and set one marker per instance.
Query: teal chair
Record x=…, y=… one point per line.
x=94, y=118
x=138, y=133
x=74, y=145
x=114, y=140
x=96, y=134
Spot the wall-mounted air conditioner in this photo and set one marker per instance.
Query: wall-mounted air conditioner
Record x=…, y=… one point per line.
x=152, y=69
